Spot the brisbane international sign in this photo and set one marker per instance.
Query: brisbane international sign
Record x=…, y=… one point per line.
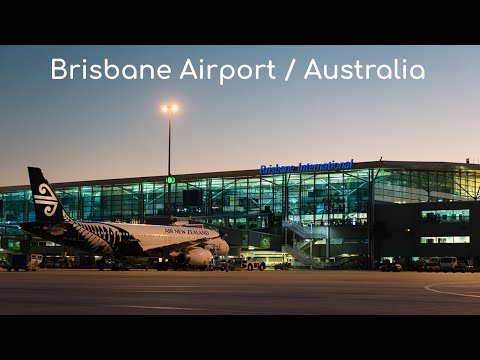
x=332, y=165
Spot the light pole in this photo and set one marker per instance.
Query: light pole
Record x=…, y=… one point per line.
x=169, y=109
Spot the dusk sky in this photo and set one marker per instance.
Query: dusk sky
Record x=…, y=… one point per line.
x=105, y=129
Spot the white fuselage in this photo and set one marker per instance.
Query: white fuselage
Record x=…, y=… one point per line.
x=156, y=236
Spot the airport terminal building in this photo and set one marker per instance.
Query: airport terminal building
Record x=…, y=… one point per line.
x=317, y=213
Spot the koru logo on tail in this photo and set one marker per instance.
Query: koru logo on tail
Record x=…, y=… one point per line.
x=50, y=199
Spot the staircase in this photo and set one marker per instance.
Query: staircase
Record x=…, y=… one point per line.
x=305, y=259
x=307, y=232
x=300, y=248
x=303, y=245
x=315, y=263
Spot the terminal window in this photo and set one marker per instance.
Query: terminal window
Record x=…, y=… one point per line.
x=445, y=216
x=445, y=240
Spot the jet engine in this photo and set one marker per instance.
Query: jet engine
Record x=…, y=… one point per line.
x=195, y=257
x=217, y=246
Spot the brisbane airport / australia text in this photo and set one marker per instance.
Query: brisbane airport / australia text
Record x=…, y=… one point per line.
x=279, y=169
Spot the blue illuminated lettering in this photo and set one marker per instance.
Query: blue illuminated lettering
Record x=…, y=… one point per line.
x=278, y=169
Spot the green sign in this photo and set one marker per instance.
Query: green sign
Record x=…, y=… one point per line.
x=170, y=179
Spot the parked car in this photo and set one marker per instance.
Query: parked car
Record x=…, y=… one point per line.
x=394, y=267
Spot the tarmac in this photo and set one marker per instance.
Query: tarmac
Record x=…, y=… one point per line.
x=292, y=292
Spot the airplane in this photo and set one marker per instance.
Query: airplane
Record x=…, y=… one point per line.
x=126, y=244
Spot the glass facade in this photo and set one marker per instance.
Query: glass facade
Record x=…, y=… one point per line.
x=410, y=186
x=322, y=198
x=250, y=201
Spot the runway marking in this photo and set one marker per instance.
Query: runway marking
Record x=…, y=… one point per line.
x=159, y=307
x=190, y=309
x=429, y=287
x=197, y=291
x=167, y=286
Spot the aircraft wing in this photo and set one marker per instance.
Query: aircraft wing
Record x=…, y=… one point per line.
x=183, y=245
x=10, y=226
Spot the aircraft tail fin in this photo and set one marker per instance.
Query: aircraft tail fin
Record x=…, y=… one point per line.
x=47, y=206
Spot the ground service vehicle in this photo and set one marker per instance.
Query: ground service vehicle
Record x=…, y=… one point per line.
x=448, y=264
x=282, y=266
x=239, y=263
x=252, y=264
x=451, y=263
x=26, y=262
x=432, y=264
x=231, y=264
x=394, y=267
